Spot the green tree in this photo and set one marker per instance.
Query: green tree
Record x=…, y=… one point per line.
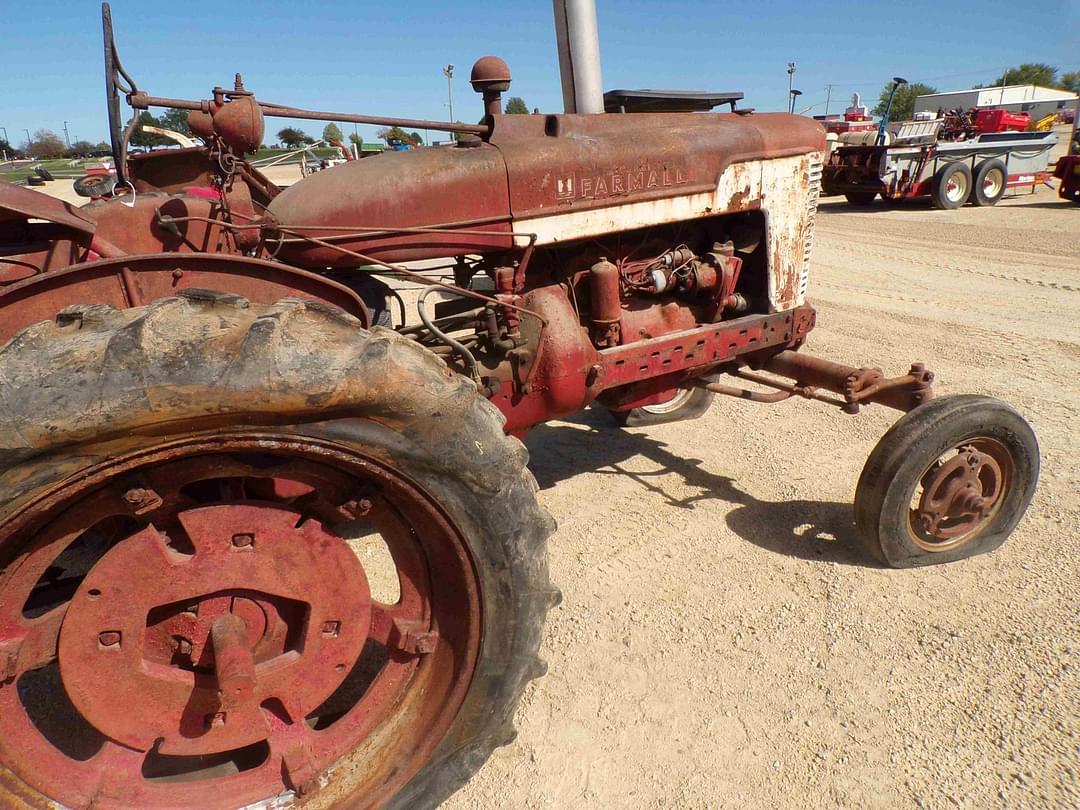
x=140, y=137
x=516, y=106
x=416, y=139
x=81, y=148
x=356, y=140
x=291, y=137
x=102, y=147
x=46, y=144
x=7, y=148
x=394, y=134
x=1071, y=81
x=176, y=120
x=332, y=134
x=1038, y=73
x=903, y=107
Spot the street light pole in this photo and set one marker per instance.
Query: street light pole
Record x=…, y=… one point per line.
x=29, y=142
x=448, y=72
x=790, y=79
x=794, y=95
x=67, y=139
x=828, y=98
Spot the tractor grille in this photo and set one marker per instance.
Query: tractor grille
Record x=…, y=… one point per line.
x=813, y=192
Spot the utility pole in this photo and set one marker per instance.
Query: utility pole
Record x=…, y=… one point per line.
x=67, y=139
x=6, y=141
x=790, y=80
x=29, y=142
x=448, y=72
x=828, y=97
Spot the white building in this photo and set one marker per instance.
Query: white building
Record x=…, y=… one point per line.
x=1029, y=98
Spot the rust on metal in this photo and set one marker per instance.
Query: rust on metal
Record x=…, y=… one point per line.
x=858, y=386
x=960, y=494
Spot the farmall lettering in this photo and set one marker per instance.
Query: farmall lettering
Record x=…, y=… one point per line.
x=618, y=182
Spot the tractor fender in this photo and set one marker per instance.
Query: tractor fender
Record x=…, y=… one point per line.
x=133, y=281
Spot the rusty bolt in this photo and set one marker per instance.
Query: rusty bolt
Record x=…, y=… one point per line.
x=143, y=500
x=413, y=638
x=331, y=629
x=9, y=661
x=177, y=274
x=243, y=540
x=358, y=507
x=216, y=720
x=110, y=638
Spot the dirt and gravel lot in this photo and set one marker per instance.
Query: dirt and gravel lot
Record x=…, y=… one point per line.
x=723, y=642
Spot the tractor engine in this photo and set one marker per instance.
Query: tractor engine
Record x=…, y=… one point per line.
x=597, y=233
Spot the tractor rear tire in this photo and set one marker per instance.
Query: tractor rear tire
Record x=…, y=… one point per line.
x=991, y=181
x=918, y=503
x=951, y=186
x=861, y=199
x=146, y=418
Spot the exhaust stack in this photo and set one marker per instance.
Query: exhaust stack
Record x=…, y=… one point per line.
x=579, y=56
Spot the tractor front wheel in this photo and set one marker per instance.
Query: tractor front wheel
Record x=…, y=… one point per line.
x=255, y=555
x=951, y=479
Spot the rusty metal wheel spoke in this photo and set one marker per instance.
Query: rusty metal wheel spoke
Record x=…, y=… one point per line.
x=218, y=592
x=29, y=644
x=959, y=494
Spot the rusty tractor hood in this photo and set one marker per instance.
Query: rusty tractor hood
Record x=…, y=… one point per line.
x=533, y=167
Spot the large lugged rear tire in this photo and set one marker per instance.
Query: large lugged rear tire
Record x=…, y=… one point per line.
x=951, y=479
x=230, y=465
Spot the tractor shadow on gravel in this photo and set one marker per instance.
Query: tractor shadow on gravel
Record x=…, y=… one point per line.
x=819, y=531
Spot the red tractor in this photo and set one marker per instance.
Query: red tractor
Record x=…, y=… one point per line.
x=210, y=407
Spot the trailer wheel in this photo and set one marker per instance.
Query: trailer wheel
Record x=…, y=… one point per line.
x=991, y=180
x=951, y=479
x=952, y=186
x=243, y=546
x=862, y=199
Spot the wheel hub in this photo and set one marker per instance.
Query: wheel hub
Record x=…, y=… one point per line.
x=959, y=494
x=184, y=651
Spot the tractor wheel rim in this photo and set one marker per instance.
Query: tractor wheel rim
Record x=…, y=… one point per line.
x=187, y=627
x=993, y=183
x=960, y=494
x=671, y=405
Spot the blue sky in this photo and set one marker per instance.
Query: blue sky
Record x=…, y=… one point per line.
x=386, y=58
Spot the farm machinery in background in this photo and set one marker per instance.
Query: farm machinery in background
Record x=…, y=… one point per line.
x=958, y=157
x=1067, y=169
x=211, y=411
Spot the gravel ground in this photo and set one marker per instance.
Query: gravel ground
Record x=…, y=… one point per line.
x=723, y=641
